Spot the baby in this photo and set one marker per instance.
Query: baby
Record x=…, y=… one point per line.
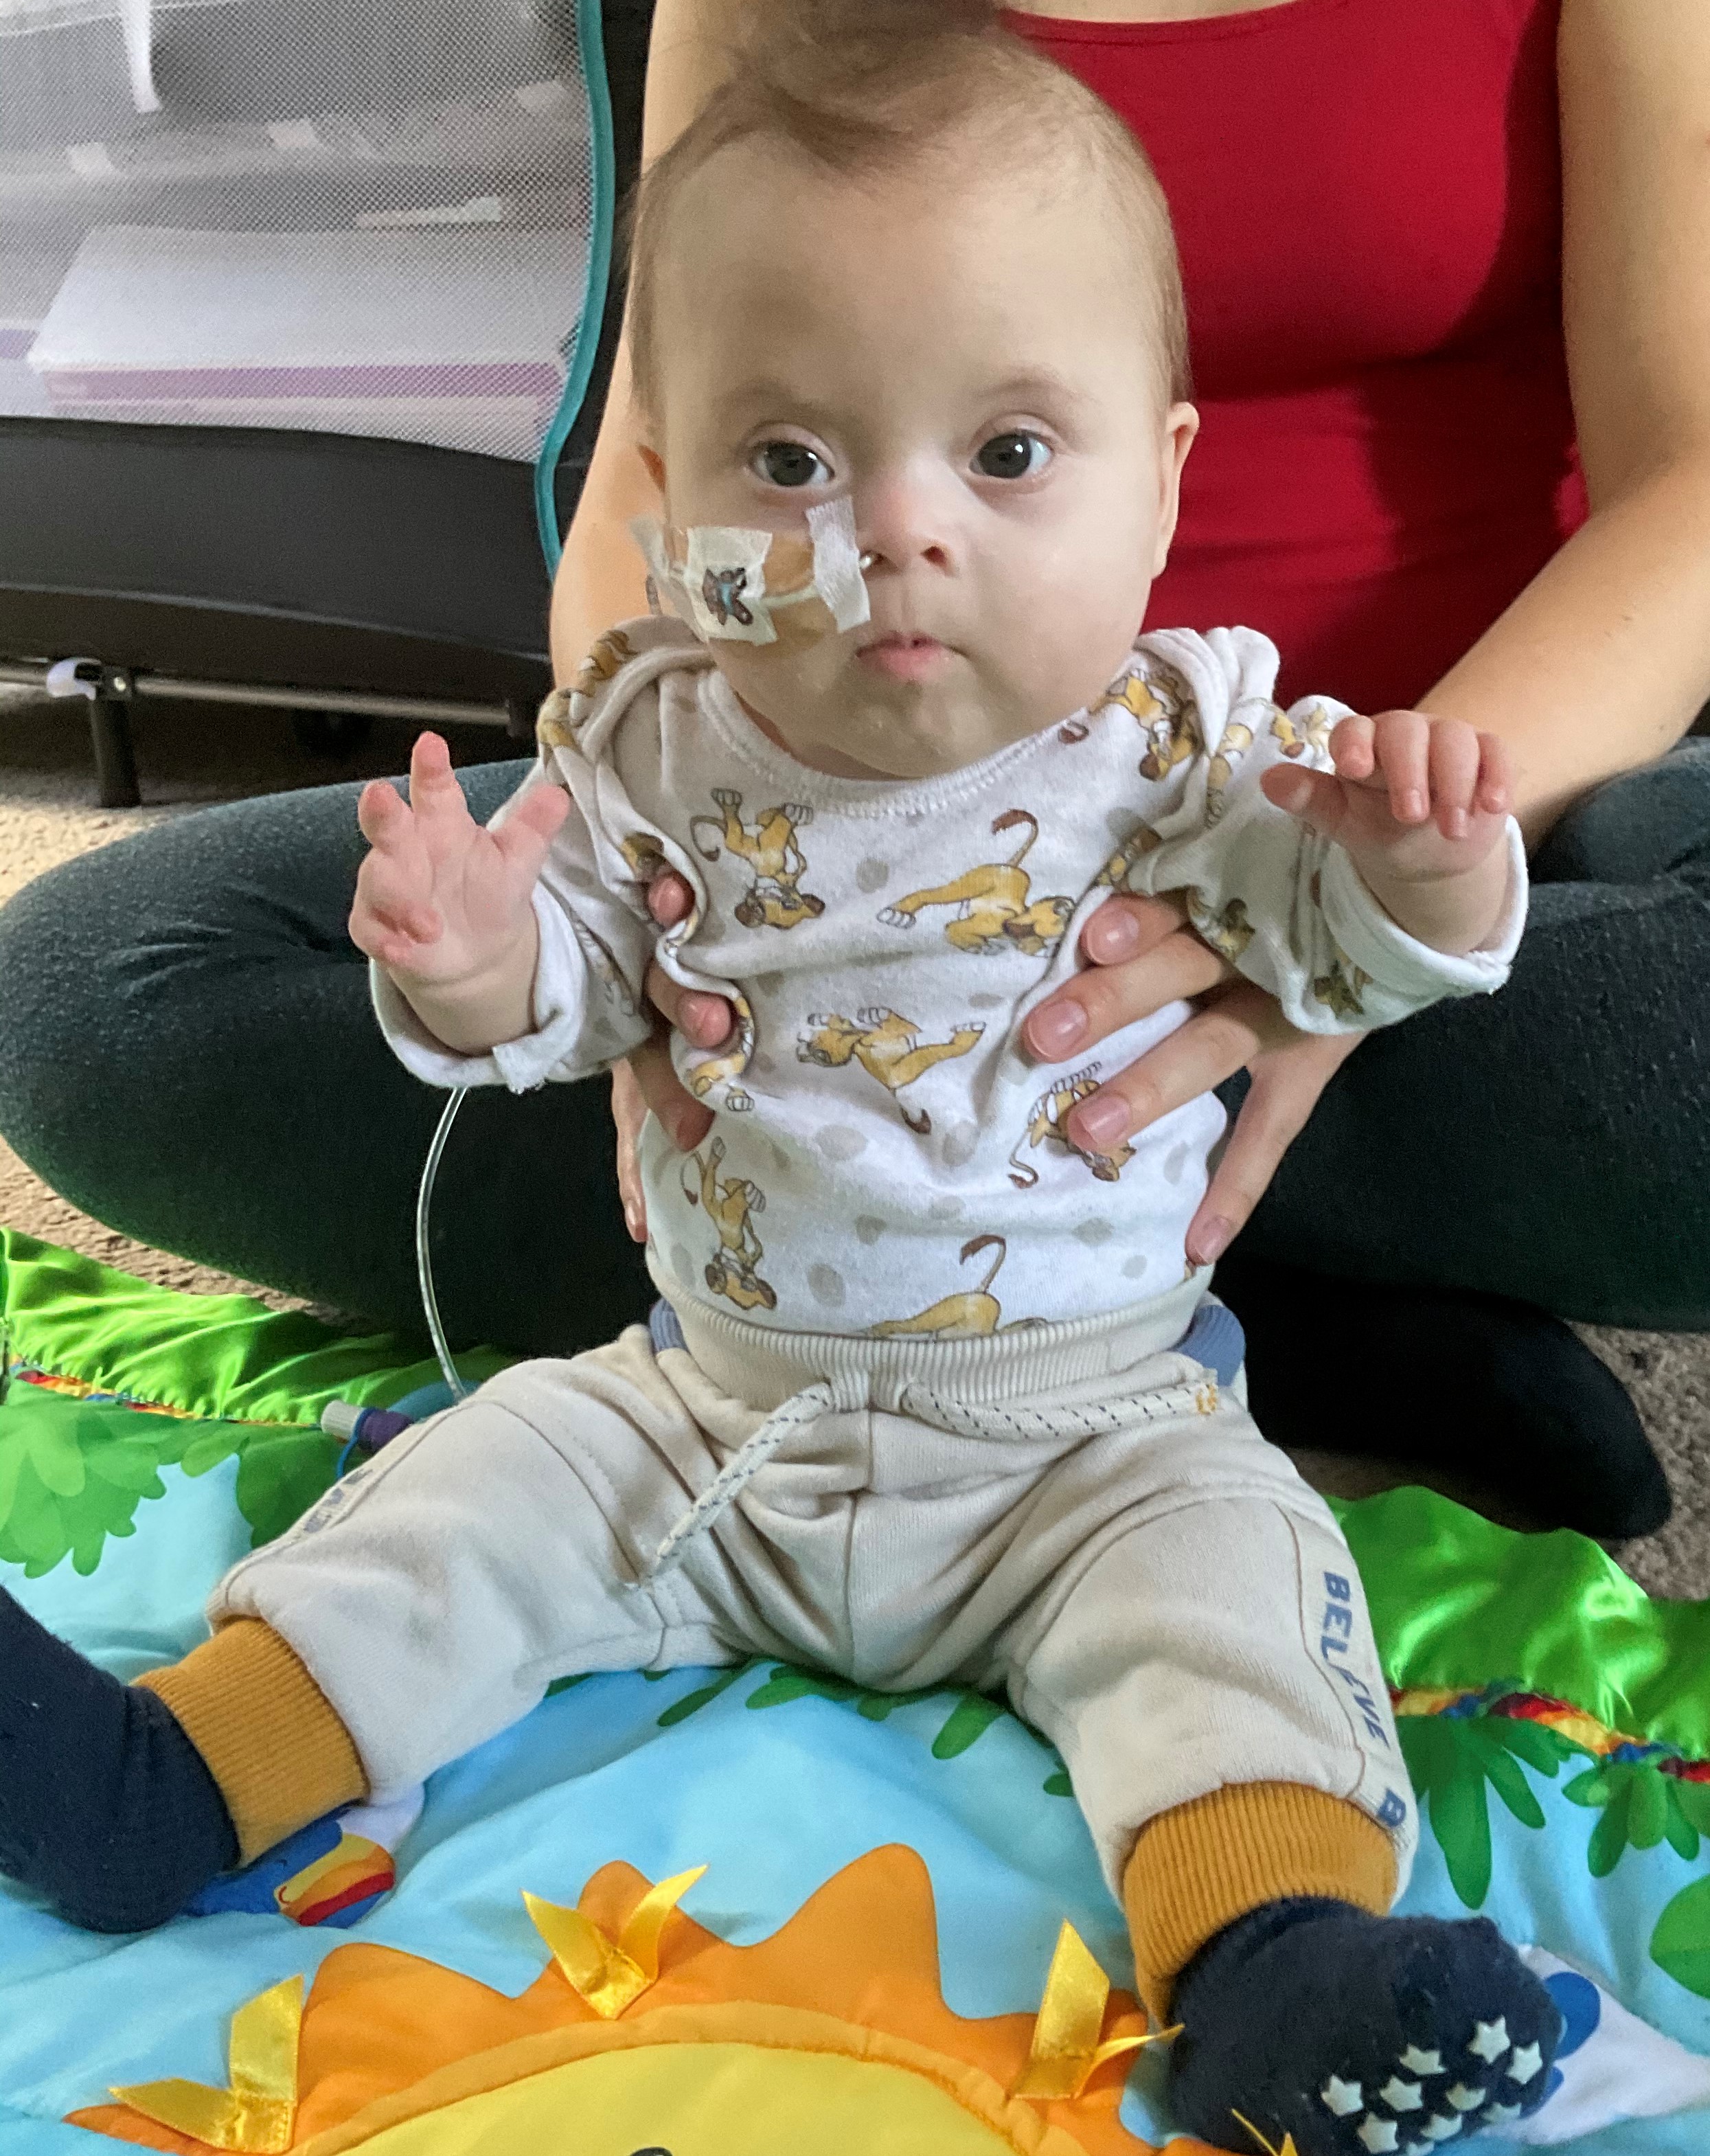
x=932, y=1393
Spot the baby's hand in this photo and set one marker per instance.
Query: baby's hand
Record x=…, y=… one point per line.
x=441, y=899
x=1419, y=804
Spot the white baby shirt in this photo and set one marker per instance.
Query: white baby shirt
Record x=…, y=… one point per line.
x=885, y=1157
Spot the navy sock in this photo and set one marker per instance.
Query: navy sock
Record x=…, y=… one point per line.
x=1358, y=2035
x=107, y=1809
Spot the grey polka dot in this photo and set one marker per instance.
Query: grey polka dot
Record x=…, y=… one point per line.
x=1094, y=1232
x=761, y=1063
x=781, y=1159
x=583, y=878
x=1175, y=1161
x=768, y=984
x=872, y=874
x=1135, y=1266
x=987, y=1002
x=869, y=1229
x=945, y=1208
x=960, y=1140
x=826, y=1286
x=837, y=1142
x=1120, y=822
x=682, y=1265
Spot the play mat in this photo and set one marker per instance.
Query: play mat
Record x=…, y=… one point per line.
x=756, y=1912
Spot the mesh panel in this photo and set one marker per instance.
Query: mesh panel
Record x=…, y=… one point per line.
x=365, y=217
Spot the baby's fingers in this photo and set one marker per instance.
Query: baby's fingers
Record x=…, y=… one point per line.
x=1402, y=742
x=1495, y=775
x=1455, y=761
x=528, y=830
x=393, y=898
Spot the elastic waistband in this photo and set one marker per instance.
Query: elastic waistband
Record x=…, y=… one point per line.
x=765, y=1366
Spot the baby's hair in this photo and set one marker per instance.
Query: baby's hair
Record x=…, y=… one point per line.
x=867, y=88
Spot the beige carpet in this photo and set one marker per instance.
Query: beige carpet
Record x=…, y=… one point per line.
x=192, y=755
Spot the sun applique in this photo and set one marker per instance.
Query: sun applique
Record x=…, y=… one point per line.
x=646, y=2032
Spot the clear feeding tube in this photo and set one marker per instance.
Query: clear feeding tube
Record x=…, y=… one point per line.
x=425, y=1264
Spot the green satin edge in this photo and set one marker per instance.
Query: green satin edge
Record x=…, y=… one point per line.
x=220, y=1358
x=1457, y=1600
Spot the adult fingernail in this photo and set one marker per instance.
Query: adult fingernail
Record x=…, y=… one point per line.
x=1113, y=933
x=1103, y=1122
x=1211, y=1242
x=1055, y=1030
x=1413, y=805
x=634, y=1222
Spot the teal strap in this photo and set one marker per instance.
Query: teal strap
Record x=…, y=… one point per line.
x=590, y=44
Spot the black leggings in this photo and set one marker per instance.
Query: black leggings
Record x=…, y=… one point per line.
x=188, y=1052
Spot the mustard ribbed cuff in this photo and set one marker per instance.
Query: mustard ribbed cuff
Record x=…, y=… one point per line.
x=279, y=1753
x=1197, y=1867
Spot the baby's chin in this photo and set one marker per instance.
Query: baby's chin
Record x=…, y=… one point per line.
x=877, y=722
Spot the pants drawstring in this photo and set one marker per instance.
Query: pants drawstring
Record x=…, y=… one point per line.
x=849, y=1392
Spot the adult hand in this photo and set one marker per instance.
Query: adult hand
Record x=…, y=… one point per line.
x=647, y=1079
x=1142, y=955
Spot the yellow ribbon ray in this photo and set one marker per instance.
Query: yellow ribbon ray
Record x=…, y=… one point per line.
x=1287, y=2148
x=610, y=1975
x=1065, y=2052
x=258, y=2112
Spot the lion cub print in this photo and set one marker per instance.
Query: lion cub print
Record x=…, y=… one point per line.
x=970, y=1316
x=730, y=1205
x=1228, y=933
x=994, y=910
x=1168, y=715
x=888, y=1047
x=1046, y=1125
x=1338, y=989
x=769, y=846
x=1313, y=734
x=1237, y=740
x=730, y=1063
x=1140, y=842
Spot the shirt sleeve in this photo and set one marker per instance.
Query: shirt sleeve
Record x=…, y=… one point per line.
x=1285, y=906
x=588, y=1006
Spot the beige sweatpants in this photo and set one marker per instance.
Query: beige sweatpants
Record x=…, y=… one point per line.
x=1073, y=1512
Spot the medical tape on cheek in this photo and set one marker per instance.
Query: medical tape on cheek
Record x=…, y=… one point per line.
x=729, y=582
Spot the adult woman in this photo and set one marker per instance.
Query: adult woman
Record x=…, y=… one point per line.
x=1393, y=492
x=199, y=977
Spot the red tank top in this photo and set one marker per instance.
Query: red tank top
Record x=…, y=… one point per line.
x=1366, y=196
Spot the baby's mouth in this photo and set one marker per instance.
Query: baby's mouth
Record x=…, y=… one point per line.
x=906, y=658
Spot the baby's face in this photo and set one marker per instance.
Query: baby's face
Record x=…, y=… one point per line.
x=972, y=367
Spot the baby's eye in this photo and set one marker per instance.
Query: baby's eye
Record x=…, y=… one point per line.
x=1017, y=455
x=787, y=464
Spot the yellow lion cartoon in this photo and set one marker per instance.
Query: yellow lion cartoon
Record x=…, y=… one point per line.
x=1140, y=842
x=729, y=1063
x=730, y=1205
x=887, y=1046
x=1168, y=715
x=994, y=909
x=1230, y=931
x=1237, y=739
x=769, y=846
x=970, y=1316
x=1046, y=1125
x=1339, y=988
x=1295, y=741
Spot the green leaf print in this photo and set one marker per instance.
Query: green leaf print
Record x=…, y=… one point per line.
x=1680, y=1945
x=1455, y=1762
x=74, y=1472
x=1641, y=1806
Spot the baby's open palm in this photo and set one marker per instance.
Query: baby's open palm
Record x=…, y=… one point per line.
x=439, y=897
x=1413, y=798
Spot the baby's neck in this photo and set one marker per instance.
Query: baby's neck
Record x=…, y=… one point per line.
x=828, y=760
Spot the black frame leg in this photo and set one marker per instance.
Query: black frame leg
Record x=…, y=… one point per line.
x=115, y=760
